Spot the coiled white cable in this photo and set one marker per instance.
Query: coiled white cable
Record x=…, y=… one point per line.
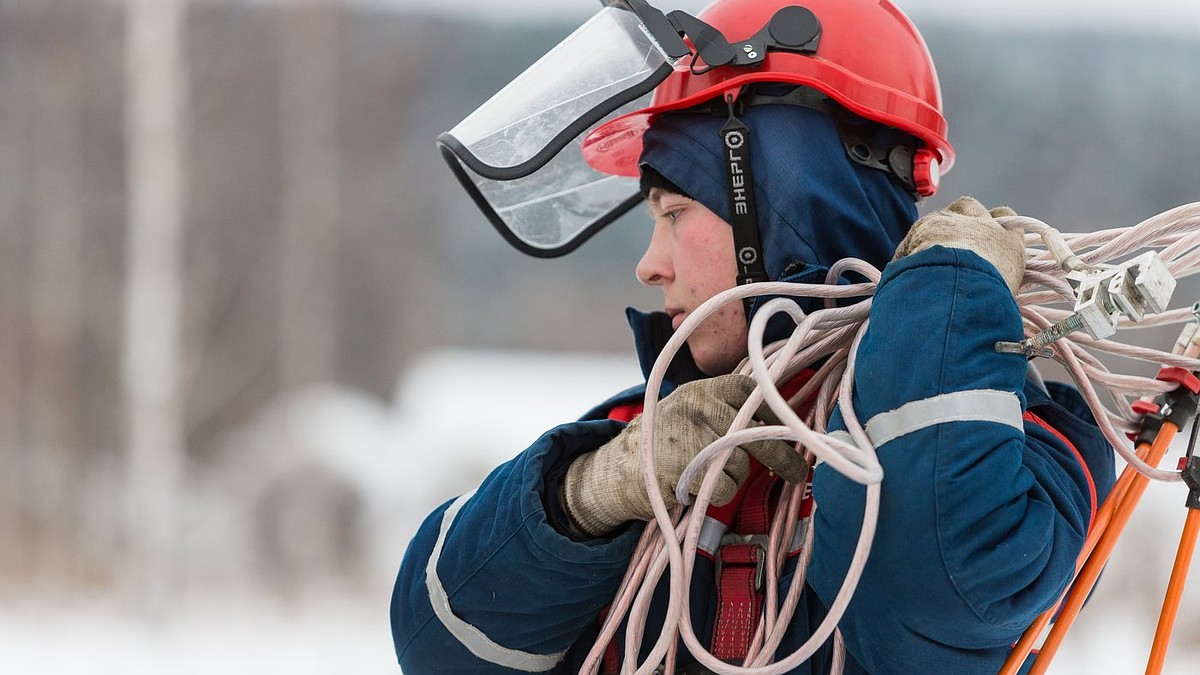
x=830, y=337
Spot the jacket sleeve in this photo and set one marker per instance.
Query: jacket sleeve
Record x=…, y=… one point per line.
x=982, y=514
x=488, y=585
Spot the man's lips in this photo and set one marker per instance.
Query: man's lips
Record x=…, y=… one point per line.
x=677, y=317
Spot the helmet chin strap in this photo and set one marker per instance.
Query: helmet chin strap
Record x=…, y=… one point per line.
x=747, y=246
x=896, y=159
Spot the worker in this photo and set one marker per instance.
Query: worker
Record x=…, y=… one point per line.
x=796, y=134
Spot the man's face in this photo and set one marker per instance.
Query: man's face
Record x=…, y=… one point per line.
x=690, y=258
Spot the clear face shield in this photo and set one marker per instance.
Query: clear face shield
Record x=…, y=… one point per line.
x=519, y=155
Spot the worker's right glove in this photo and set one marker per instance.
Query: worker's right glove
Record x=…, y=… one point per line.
x=605, y=488
x=967, y=224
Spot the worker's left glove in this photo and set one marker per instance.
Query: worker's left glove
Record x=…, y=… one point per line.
x=605, y=488
x=967, y=224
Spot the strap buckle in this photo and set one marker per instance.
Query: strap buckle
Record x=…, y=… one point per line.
x=758, y=544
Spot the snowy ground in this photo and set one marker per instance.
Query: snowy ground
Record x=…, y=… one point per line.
x=455, y=415
x=406, y=457
x=345, y=637
x=233, y=637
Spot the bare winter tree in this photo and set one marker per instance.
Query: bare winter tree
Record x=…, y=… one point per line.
x=309, y=193
x=155, y=75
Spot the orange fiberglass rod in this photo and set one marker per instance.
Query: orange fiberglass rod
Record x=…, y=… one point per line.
x=1183, y=560
x=1110, y=522
x=1025, y=645
x=1086, y=580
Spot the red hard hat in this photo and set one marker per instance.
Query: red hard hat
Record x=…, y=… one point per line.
x=871, y=60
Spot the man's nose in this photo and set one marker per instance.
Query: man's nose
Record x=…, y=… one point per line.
x=654, y=269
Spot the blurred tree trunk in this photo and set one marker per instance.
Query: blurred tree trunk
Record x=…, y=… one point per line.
x=54, y=444
x=13, y=558
x=156, y=82
x=16, y=124
x=309, y=199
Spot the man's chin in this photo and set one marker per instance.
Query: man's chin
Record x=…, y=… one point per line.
x=714, y=364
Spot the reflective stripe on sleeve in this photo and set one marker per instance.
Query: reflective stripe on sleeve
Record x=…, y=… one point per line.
x=470, y=636
x=973, y=405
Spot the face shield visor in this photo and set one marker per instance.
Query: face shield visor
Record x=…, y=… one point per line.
x=519, y=156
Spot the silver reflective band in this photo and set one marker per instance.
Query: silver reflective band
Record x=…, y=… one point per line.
x=711, y=533
x=799, y=536
x=974, y=405
x=471, y=637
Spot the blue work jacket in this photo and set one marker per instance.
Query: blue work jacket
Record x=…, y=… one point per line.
x=984, y=509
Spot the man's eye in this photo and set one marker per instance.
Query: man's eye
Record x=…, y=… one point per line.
x=673, y=211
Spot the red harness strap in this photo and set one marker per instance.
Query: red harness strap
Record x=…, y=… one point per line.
x=741, y=558
x=740, y=564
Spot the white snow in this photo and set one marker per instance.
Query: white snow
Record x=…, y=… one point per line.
x=457, y=414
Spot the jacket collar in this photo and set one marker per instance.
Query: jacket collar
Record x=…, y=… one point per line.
x=651, y=331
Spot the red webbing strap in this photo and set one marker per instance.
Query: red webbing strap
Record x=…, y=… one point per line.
x=741, y=559
x=625, y=412
x=740, y=564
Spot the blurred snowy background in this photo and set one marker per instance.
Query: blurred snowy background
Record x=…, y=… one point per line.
x=251, y=331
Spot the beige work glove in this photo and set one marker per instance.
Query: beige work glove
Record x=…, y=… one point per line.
x=605, y=488
x=967, y=224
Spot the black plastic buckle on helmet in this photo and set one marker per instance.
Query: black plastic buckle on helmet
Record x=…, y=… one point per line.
x=791, y=29
x=877, y=146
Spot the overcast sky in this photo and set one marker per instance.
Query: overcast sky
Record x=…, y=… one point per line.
x=1172, y=16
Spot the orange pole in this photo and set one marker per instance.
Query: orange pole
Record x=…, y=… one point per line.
x=1188, y=344
x=1021, y=650
x=1166, y=620
x=1024, y=646
x=1086, y=580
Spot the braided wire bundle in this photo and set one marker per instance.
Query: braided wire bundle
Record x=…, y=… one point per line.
x=827, y=340
x=1045, y=296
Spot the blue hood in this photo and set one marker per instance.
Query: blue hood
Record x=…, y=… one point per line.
x=815, y=206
